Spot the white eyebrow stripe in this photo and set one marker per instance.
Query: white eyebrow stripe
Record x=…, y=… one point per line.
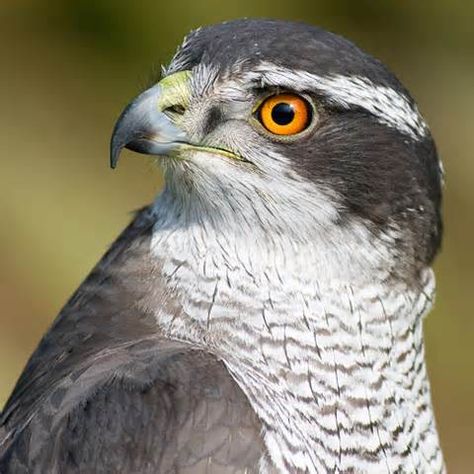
x=386, y=104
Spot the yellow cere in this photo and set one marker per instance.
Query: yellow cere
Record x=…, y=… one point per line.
x=175, y=90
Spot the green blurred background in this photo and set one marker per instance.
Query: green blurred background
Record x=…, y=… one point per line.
x=68, y=67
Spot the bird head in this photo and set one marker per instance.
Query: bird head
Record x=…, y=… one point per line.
x=285, y=127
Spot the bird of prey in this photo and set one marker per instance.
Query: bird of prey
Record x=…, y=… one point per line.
x=265, y=313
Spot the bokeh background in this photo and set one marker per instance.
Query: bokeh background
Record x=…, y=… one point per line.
x=68, y=67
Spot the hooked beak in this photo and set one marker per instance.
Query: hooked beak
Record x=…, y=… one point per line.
x=144, y=128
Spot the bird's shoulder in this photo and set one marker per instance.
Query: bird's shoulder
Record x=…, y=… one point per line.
x=153, y=406
x=106, y=391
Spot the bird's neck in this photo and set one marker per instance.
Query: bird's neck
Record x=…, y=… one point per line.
x=331, y=359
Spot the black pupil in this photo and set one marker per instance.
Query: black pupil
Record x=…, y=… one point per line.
x=283, y=113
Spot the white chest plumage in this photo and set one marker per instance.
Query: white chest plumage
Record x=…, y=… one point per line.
x=334, y=367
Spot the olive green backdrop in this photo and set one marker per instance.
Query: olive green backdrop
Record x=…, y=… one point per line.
x=66, y=70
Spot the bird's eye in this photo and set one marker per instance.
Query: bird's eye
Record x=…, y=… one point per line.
x=285, y=114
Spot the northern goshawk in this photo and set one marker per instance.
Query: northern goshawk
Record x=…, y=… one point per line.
x=265, y=313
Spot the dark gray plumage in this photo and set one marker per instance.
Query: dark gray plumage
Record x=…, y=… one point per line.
x=106, y=392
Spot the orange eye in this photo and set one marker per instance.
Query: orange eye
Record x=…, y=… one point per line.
x=285, y=114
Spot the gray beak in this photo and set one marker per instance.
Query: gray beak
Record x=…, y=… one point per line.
x=144, y=128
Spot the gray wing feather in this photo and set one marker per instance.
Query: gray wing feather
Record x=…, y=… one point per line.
x=106, y=392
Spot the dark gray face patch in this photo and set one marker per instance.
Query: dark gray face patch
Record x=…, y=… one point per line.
x=383, y=175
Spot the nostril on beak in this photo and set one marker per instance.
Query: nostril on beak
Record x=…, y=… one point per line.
x=174, y=111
